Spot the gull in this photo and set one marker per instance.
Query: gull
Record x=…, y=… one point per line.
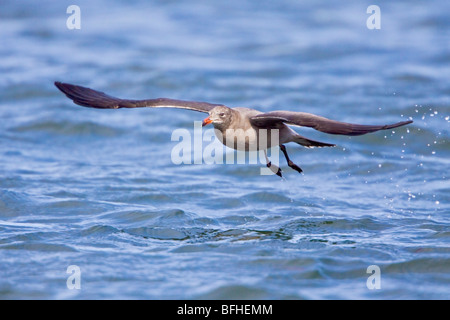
x=238, y=128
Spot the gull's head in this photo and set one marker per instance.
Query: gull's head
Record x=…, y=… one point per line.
x=219, y=116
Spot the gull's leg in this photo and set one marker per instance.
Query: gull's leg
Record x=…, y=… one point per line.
x=272, y=167
x=290, y=163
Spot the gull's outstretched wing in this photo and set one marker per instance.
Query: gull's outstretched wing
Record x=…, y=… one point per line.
x=274, y=118
x=95, y=99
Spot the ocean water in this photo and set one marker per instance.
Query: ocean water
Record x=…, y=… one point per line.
x=97, y=189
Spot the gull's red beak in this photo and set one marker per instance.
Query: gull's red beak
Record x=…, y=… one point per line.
x=206, y=121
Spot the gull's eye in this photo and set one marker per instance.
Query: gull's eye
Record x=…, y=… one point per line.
x=222, y=114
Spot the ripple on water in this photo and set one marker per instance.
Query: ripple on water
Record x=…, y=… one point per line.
x=238, y=292
x=44, y=246
x=69, y=128
x=98, y=231
x=266, y=197
x=13, y=203
x=437, y=265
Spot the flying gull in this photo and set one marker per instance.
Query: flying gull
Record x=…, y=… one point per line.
x=237, y=128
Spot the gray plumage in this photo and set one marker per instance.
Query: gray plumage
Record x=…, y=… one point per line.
x=238, y=128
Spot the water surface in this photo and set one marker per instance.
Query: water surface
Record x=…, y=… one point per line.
x=97, y=188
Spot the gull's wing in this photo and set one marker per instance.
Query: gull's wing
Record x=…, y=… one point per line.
x=274, y=118
x=95, y=99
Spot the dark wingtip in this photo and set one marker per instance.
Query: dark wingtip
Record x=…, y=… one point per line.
x=403, y=123
x=58, y=84
x=396, y=125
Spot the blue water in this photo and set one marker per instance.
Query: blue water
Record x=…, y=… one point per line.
x=97, y=188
